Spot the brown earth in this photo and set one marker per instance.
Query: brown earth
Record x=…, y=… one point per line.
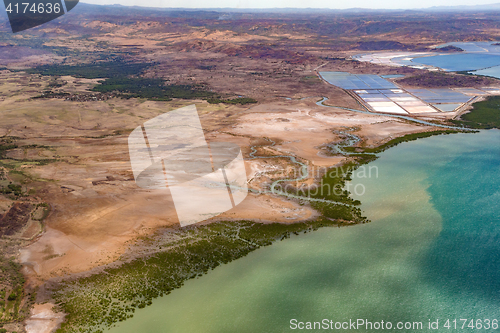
x=15, y=219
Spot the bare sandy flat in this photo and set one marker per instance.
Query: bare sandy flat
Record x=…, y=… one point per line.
x=43, y=319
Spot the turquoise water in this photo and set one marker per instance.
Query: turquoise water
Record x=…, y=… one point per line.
x=489, y=47
x=493, y=71
x=432, y=252
x=392, y=76
x=461, y=61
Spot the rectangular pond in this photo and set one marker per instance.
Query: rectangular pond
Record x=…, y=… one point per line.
x=356, y=81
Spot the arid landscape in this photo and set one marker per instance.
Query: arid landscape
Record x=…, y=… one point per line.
x=68, y=200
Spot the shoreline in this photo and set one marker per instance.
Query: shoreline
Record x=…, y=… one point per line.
x=227, y=232
x=330, y=216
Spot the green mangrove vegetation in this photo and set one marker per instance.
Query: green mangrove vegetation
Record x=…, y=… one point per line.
x=397, y=141
x=335, y=201
x=484, y=115
x=331, y=185
x=96, y=302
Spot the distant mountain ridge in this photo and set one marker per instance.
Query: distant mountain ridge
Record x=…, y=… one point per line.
x=92, y=10
x=486, y=7
x=85, y=8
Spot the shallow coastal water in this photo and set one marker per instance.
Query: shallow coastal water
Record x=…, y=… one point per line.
x=461, y=61
x=431, y=252
x=492, y=71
